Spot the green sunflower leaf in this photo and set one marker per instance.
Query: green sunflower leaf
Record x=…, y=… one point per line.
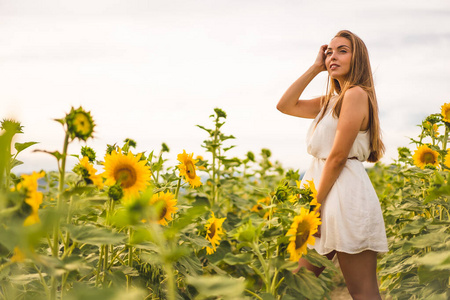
x=218, y=286
x=238, y=259
x=92, y=235
x=22, y=146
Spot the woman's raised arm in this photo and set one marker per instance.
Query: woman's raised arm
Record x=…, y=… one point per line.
x=290, y=103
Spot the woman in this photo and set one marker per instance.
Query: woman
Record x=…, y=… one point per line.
x=345, y=132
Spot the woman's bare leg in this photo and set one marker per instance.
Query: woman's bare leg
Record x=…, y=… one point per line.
x=304, y=263
x=360, y=275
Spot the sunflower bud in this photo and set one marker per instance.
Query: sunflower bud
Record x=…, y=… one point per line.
x=130, y=142
x=220, y=113
x=110, y=148
x=11, y=126
x=89, y=152
x=115, y=192
x=80, y=124
x=164, y=148
x=251, y=156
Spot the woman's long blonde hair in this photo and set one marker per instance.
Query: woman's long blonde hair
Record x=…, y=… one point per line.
x=360, y=75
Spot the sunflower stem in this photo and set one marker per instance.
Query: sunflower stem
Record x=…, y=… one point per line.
x=130, y=257
x=105, y=258
x=253, y=294
x=99, y=266
x=170, y=281
x=266, y=278
x=157, y=172
x=178, y=188
x=62, y=174
x=444, y=142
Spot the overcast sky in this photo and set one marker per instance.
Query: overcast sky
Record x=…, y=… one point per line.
x=152, y=70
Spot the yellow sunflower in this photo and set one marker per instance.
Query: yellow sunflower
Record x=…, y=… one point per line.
x=301, y=233
x=445, y=111
x=424, y=155
x=213, y=231
x=187, y=169
x=200, y=158
x=168, y=207
x=314, y=205
x=131, y=173
x=18, y=256
x=258, y=207
x=447, y=160
x=91, y=176
x=80, y=124
x=33, y=197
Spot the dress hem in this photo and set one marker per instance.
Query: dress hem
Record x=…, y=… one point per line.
x=353, y=252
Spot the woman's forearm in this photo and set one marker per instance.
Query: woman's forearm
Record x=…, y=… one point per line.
x=293, y=93
x=331, y=171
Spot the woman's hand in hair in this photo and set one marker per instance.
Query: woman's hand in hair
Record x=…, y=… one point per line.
x=320, y=60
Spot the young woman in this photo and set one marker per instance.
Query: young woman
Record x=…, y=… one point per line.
x=345, y=132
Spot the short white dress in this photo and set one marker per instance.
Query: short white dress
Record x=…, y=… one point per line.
x=352, y=220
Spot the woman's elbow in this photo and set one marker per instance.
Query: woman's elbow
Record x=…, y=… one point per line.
x=338, y=161
x=280, y=107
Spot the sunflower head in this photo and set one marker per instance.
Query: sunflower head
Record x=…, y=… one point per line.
x=18, y=255
x=301, y=233
x=445, y=112
x=164, y=148
x=214, y=231
x=86, y=170
x=115, y=192
x=80, y=124
x=131, y=173
x=33, y=199
x=165, y=204
x=283, y=192
x=258, y=206
x=89, y=152
x=187, y=169
x=11, y=126
x=424, y=156
x=447, y=160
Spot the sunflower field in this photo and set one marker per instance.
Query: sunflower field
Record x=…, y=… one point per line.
x=131, y=226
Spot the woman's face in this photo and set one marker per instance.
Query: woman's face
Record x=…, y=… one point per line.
x=338, y=58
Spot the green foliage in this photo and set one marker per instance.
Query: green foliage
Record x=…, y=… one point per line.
x=416, y=211
x=88, y=242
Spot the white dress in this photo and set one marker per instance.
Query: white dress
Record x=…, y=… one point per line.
x=352, y=220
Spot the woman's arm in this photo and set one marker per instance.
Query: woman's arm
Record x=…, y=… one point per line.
x=353, y=118
x=290, y=103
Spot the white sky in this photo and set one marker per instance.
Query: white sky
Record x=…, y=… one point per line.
x=152, y=70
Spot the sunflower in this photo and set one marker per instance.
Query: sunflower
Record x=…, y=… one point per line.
x=168, y=207
x=80, y=124
x=187, y=168
x=88, y=172
x=447, y=160
x=313, y=205
x=301, y=233
x=202, y=162
x=33, y=198
x=131, y=173
x=424, y=155
x=258, y=207
x=213, y=231
x=445, y=111
x=18, y=256
x=435, y=130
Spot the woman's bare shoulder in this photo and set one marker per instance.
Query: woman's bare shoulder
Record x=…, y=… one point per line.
x=356, y=95
x=356, y=92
